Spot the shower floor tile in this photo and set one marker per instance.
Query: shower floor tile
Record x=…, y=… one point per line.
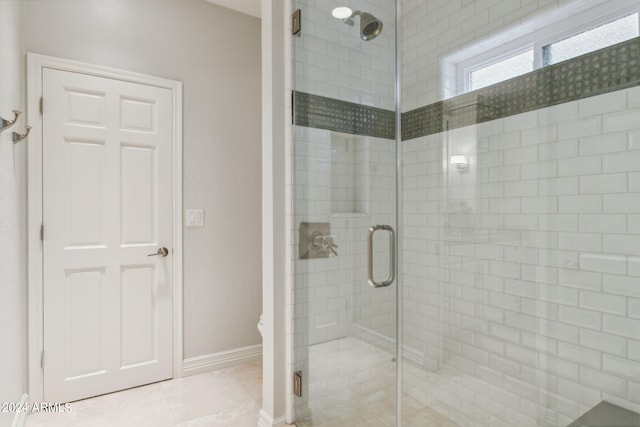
x=352, y=383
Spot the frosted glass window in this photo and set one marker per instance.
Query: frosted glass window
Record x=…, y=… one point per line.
x=505, y=69
x=597, y=38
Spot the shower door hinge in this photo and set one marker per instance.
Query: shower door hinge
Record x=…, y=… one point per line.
x=42, y=232
x=42, y=359
x=297, y=383
x=296, y=22
x=41, y=105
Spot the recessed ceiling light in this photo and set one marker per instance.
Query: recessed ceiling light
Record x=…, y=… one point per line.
x=341, y=12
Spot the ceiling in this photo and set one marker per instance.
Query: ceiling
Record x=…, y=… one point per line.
x=250, y=7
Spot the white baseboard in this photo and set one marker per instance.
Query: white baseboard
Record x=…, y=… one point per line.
x=20, y=418
x=211, y=362
x=265, y=420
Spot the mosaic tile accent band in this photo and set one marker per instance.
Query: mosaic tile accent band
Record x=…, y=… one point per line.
x=606, y=70
x=340, y=116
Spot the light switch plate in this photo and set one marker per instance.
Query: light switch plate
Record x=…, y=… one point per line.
x=194, y=218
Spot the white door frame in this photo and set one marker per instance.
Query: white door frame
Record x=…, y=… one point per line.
x=35, y=65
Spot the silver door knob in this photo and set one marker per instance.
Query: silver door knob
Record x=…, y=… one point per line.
x=163, y=252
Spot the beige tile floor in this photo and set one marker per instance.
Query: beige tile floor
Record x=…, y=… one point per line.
x=350, y=384
x=226, y=397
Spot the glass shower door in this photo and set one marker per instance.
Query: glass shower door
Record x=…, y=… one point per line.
x=345, y=181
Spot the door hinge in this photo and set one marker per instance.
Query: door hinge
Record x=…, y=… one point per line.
x=296, y=22
x=297, y=383
x=41, y=105
x=42, y=232
x=42, y=360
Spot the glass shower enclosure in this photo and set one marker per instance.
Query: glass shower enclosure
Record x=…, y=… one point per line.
x=466, y=212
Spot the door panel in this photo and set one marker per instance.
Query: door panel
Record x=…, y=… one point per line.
x=138, y=213
x=107, y=205
x=87, y=164
x=83, y=322
x=85, y=107
x=138, y=339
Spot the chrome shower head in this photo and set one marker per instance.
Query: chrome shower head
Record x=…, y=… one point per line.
x=370, y=26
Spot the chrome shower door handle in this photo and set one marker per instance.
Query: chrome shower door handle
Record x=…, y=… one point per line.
x=392, y=250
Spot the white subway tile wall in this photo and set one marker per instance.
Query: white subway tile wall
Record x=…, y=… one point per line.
x=530, y=267
x=331, y=60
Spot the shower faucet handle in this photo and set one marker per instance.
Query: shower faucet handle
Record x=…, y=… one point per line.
x=331, y=247
x=332, y=251
x=325, y=243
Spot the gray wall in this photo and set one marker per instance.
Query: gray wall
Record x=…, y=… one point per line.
x=215, y=52
x=13, y=343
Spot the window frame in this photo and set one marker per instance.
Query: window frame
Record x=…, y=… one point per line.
x=538, y=33
x=491, y=60
x=591, y=26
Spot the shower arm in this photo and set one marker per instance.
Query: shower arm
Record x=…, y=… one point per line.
x=349, y=21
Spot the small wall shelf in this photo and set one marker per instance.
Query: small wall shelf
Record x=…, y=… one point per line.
x=349, y=175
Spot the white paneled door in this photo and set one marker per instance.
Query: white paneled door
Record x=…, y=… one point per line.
x=107, y=206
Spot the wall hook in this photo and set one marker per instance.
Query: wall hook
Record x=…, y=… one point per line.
x=19, y=137
x=4, y=124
